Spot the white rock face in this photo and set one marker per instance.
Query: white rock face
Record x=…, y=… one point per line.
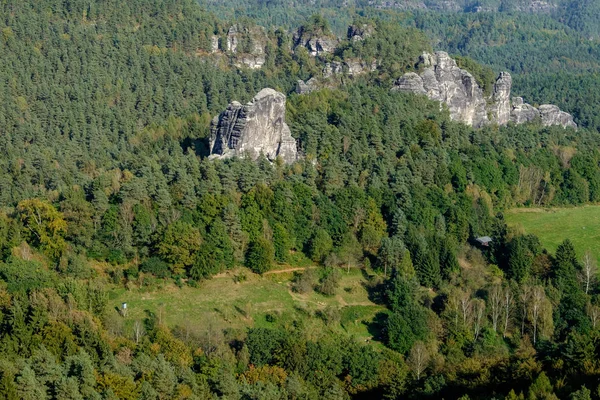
x=255, y=128
x=444, y=81
x=254, y=55
x=214, y=44
x=315, y=43
x=501, y=107
x=552, y=115
x=522, y=112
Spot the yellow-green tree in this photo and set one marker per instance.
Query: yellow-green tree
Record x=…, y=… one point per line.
x=179, y=244
x=44, y=226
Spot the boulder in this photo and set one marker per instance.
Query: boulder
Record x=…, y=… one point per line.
x=255, y=128
x=410, y=82
x=552, y=115
x=522, y=112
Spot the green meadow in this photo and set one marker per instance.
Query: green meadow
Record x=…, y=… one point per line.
x=553, y=225
x=225, y=302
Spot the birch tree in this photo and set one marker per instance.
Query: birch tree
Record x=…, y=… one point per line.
x=418, y=358
x=464, y=301
x=478, y=307
x=524, y=297
x=594, y=313
x=589, y=270
x=495, y=303
x=538, y=297
x=507, y=306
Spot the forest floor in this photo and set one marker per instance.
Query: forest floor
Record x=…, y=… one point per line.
x=228, y=302
x=553, y=225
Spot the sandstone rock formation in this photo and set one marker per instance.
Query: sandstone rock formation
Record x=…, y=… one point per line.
x=444, y=81
x=522, y=112
x=214, y=44
x=500, y=106
x=331, y=73
x=247, y=44
x=255, y=128
x=528, y=6
x=360, y=32
x=552, y=115
x=357, y=66
x=309, y=86
x=315, y=42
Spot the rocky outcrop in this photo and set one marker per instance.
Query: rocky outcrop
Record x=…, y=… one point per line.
x=548, y=114
x=332, y=69
x=247, y=45
x=357, y=66
x=360, y=32
x=442, y=80
x=552, y=115
x=500, y=106
x=332, y=72
x=214, y=44
x=309, y=86
x=315, y=42
x=255, y=128
x=522, y=112
x=410, y=82
x=526, y=6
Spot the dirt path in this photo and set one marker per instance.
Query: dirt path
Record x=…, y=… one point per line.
x=227, y=274
x=283, y=271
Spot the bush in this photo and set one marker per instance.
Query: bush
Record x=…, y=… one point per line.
x=239, y=278
x=270, y=318
x=117, y=276
x=133, y=272
x=78, y=267
x=329, y=282
x=330, y=315
x=304, y=282
x=156, y=267
x=116, y=257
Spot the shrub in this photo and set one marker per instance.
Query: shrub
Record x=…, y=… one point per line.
x=329, y=282
x=304, y=282
x=156, y=267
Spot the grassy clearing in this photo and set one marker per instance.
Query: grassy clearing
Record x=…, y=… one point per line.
x=579, y=224
x=222, y=303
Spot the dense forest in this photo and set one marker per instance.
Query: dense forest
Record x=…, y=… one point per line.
x=105, y=110
x=551, y=55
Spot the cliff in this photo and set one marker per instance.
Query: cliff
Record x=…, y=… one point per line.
x=255, y=128
x=317, y=42
x=245, y=45
x=441, y=79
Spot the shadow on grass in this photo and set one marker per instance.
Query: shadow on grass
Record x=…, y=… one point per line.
x=375, y=286
x=376, y=327
x=241, y=311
